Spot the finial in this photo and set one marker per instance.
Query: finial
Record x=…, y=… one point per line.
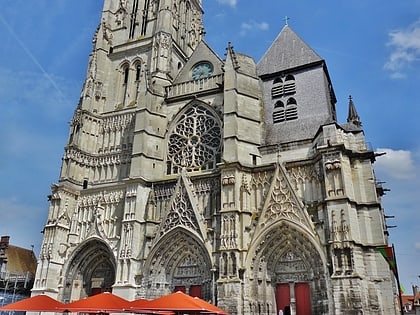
x=286, y=20
x=352, y=116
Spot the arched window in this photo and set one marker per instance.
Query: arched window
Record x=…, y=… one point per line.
x=281, y=88
x=289, y=85
x=279, y=112
x=138, y=71
x=291, y=109
x=125, y=73
x=277, y=89
x=285, y=112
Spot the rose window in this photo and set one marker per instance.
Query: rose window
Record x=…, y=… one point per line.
x=195, y=141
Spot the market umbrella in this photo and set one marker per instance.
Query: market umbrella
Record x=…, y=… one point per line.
x=37, y=303
x=181, y=302
x=213, y=309
x=105, y=302
x=140, y=306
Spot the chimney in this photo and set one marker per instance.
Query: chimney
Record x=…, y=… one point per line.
x=4, y=242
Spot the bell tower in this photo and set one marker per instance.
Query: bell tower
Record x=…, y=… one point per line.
x=174, y=26
x=137, y=19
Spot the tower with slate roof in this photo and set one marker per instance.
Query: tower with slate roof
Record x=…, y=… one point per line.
x=227, y=179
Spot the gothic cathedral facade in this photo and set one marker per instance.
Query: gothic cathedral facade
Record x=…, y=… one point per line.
x=227, y=179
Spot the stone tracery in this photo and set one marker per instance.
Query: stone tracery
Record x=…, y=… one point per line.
x=195, y=141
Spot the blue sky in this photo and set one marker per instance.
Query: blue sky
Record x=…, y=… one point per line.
x=372, y=50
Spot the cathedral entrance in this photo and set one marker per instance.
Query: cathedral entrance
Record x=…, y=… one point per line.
x=91, y=270
x=179, y=262
x=288, y=273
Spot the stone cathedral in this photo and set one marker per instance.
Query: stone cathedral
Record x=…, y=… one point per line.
x=224, y=178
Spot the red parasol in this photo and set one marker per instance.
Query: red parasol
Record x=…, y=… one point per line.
x=141, y=306
x=212, y=308
x=105, y=302
x=181, y=302
x=37, y=303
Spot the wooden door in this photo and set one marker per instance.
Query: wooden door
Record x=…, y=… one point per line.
x=283, y=297
x=303, y=299
x=195, y=291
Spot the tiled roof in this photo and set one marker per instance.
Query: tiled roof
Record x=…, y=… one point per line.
x=407, y=299
x=20, y=260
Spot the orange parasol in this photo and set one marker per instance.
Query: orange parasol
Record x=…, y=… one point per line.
x=141, y=306
x=181, y=302
x=105, y=302
x=37, y=303
x=212, y=308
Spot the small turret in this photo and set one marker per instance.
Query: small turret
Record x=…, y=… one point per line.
x=353, y=117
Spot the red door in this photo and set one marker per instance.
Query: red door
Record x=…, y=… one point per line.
x=180, y=288
x=282, y=297
x=195, y=291
x=303, y=299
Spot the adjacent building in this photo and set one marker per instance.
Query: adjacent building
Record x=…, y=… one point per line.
x=17, y=271
x=227, y=179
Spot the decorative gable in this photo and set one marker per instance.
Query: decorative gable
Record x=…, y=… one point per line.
x=282, y=203
x=183, y=210
x=203, y=53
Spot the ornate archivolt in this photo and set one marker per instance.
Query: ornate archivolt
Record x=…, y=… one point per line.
x=283, y=254
x=92, y=264
x=178, y=259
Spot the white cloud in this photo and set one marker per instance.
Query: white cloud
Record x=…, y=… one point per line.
x=405, y=45
x=397, y=164
x=250, y=26
x=231, y=3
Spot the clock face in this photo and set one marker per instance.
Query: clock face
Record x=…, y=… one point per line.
x=202, y=70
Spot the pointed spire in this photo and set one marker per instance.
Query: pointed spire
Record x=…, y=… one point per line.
x=353, y=117
x=288, y=51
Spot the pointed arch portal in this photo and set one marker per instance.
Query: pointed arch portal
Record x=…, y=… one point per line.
x=91, y=270
x=290, y=269
x=179, y=262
